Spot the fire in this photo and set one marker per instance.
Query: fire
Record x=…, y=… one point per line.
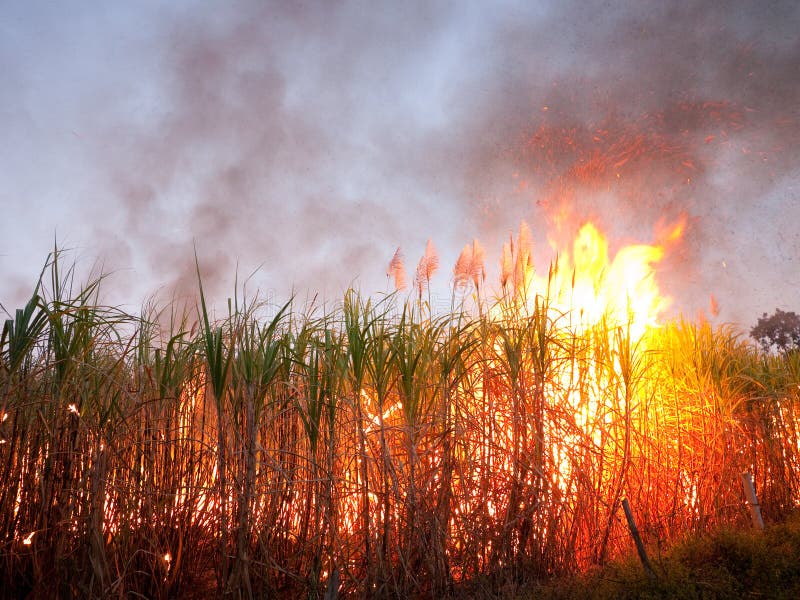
x=587, y=285
x=606, y=303
x=392, y=438
x=623, y=289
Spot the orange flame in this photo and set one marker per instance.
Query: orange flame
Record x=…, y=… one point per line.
x=589, y=285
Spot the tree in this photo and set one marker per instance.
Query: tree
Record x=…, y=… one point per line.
x=781, y=330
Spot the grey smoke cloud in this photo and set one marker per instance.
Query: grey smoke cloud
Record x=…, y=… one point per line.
x=314, y=138
x=280, y=126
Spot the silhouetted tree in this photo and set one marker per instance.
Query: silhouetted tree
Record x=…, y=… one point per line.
x=781, y=330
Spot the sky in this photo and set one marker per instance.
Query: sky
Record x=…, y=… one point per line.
x=298, y=144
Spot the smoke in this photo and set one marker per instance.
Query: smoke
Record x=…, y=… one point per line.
x=632, y=117
x=268, y=146
x=312, y=139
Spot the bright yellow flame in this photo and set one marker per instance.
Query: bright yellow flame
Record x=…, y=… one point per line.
x=589, y=286
x=586, y=290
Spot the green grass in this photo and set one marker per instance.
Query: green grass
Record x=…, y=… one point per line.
x=724, y=564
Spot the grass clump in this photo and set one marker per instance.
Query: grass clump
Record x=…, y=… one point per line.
x=724, y=564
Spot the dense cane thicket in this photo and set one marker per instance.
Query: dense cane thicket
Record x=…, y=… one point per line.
x=369, y=447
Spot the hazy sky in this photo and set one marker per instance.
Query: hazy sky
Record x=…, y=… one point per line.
x=310, y=140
